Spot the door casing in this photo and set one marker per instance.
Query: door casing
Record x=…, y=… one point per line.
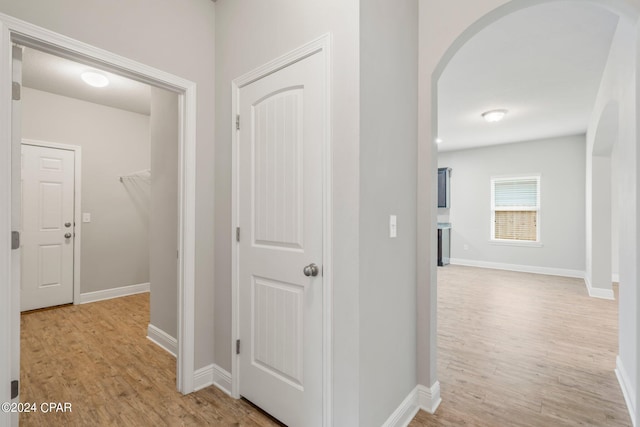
x=77, y=204
x=319, y=46
x=13, y=30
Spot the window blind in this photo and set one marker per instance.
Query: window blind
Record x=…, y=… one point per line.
x=515, y=208
x=519, y=193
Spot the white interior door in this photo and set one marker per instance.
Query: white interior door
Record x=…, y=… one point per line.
x=48, y=226
x=280, y=201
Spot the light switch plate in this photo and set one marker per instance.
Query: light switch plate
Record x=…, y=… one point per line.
x=86, y=217
x=393, y=226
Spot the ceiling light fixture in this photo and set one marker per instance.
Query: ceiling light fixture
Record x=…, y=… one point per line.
x=494, y=115
x=95, y=79
x=438, y=140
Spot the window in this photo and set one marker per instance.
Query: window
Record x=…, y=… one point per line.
x=515, y=209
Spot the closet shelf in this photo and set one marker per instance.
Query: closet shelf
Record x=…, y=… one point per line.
x=144, y=174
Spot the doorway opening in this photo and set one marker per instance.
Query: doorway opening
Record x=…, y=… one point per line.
x=581, y=140
x=25, y=34
x=100, y=206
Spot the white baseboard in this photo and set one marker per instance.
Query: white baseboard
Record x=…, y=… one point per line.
x=521, y=268
x=598, y=292
x=203, y=377
x=222, y=379
x=627, y=391
x=163, y=339
x=420, y=397
x=212, y=375
x=429, y=398
x=404, y=413
x=123, y=291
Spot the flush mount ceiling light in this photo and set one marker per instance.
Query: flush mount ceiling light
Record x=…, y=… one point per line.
x=95, y=79
x=438, y=140
x=494, y=115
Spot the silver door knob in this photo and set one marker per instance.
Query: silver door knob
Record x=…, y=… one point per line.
x=67, y=235
x=311, y=270
x=67, y=224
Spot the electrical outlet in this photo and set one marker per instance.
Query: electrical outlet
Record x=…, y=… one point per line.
x=86, y=217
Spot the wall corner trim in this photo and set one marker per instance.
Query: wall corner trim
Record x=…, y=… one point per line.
x=627, y=391
x=212, y=375
x=429, y=398
x=598, y=292
x=222, y=379
x=122, y=291
x=163, y=339
x=421, y=397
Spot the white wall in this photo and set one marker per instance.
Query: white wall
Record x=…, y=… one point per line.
x=619, y=88
x=249, y=34
x=176, y=37
x=561, y=164
x=388, y=147
x=115, y=244
x=163, y=237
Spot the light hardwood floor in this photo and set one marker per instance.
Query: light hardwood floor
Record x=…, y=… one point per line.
x=518, y=349
x=96, y=356
x=515, y=349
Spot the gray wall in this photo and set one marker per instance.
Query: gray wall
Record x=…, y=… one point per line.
x=619, y=86
x=176, y=37
x=561, y=164
x=249, y=34
x=115, y=244
x=163, y=237
x=388, y=148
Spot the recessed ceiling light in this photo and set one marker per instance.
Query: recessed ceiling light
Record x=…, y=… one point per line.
x=494, y=115
x=95, y=79
x=438, y=140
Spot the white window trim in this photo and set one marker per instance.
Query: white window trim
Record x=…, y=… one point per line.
x=492, y=230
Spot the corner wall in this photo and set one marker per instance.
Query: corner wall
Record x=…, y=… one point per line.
x=115, y=244
x=619, y=86
x=163, y=236
x=388, y=148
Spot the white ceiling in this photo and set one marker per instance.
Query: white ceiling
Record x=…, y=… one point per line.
x=61, y=76
x=543, y=64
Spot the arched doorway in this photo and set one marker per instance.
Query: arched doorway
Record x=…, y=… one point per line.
x=439, y=44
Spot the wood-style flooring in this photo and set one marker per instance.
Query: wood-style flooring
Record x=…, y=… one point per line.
x=97, y=357
x=518, y=349
x=515, y=349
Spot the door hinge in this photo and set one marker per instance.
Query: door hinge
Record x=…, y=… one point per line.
x=237, y=346
x=15, y=389
x=237, y=121
x=237, y=234
x=15, y=91
x=15, y=240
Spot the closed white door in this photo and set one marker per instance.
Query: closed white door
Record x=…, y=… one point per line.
x=48, y=226
x=280, y=215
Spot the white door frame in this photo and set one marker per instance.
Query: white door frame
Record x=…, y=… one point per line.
x=319, y=46
x=15, y=30
x=77, y=204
